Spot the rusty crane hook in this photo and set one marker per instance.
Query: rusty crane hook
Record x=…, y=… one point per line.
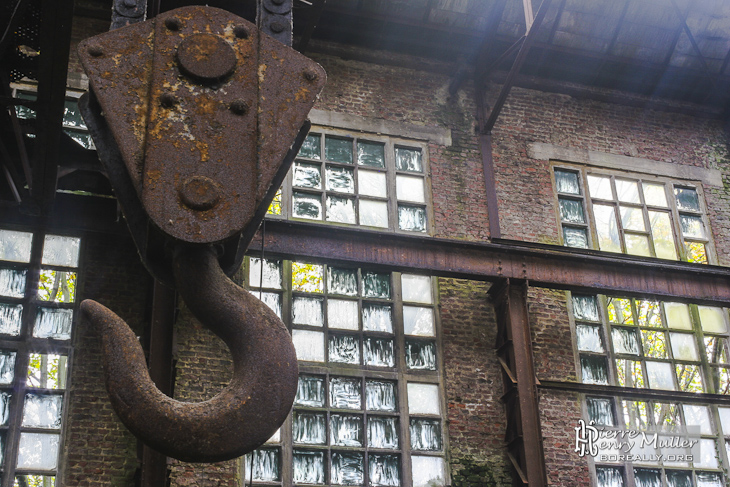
x=242, y=416
x=197, y=116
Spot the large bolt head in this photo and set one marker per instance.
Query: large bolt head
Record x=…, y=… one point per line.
x=200, y=193
x=206, y=57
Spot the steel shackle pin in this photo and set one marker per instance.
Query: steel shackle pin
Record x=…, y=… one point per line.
x=244, y=414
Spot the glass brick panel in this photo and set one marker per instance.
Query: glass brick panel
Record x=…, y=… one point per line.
x=272, y=300
x=15, y=246
x=42, y=411
x=712, y=319
x=10, y=316
x=266, y=466
x=377, y=318
x=423, y=398
x=345, y=430
x=567, y=182
x=378, y=352
x=4, y=412
x=342, y=314
x=427, y=471
x=624, y=340
x=708, y=454
x=585, y=308
x=338, y=149
x=408, y=160
x=654, y=194
x=271, y=277
x=418, y=321
x=410, y=188
x=609, y=477
x=47, y=371
x=698, y=416
x=371, y=154
x=425, y=434
x=709, y=479
x=307, y=311
x=692, y=226
x=600, y=187
x=341, y=179
x=53, y=323
x=575, y=237
x=420, y=355
x=310, y=392
x=678, y=478
x=571, y=211
x=684, y=346
x=660, y=375
x=12, y=283
x=376, y=285
x=57, y=286
x=627, y=191
x=593, y=369
x=647, y=477
x=309, y=428
x=416, y=289
x=344, y=349
x=347, y=468
x=340, y=210
x=342, y=281
x=687, y=199
x=606, y=228
x=588, y=338
x=373, y=213
x=379, y=395
x=601, y=411
x=663, y=235
x=384, y=470
x=677, y=316
x=38, y=451
x=307, y=277
x=7, y=367
x=309, y=345
x=345, y=393
x=412, y=218
x=312, y=147
x=372, y=183
x=307, y=206
x=63, y=251
x=383, y=432
x=308, y=467
x=637, y=245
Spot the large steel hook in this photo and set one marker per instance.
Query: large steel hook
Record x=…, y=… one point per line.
x=242, y=416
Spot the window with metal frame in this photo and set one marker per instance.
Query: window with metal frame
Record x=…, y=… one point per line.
x=38, y=276
x=645, y=216
x=369, y=407
x=366, y=180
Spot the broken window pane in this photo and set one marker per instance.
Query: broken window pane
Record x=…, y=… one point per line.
x=571, y=210
x=418, y=321
x=624, y=340
x=722, y=380
x=660, y=375
x=341, y=179
x=593, y=369
x=666, y=416
x=265, y=465
x=635, y=415
x=654, y=194
x=275, y=206
x=649, y=313
x=661, y=232
x=309, y=428
x=712, y=319
x=63, y=251
x=425, y=434
x=420, y=355
x=379, y=395
x=567, y=182
x=372, y=183
x=347, y=468
x=307, y=277
x=696, y=252
x=647, y=477
x=410, y=188
x=307, y=311
x=345, y=393
x=416, y=289
x=684, y=346
x=10, y=315
x=345, y=430
x=38, y=451
x=689, y=378
x=308, y=467
x=12, y=283
x=382, y=432
x=342, y=314
x=377, y=318
x=342, y=281
x=34, y=481
x=57, y=286
x=42, y=411
x=627, y=191
x=47, y=371
x=427, y=471
x=600, y=187
x=15, y=246
x=379, y=352
x=585, y=308
x=629, y=373
x=307, y=205
x=632, y=218
x=600, y=410
x=606, y=228
x=423, y=398
x=309, y=345
x=340, y=210
x=373, y=213
x=271, y=278
x=716, y=350
x=338, y=149
x=619, y=311
x=312, y=147
x=677, y=316
x=344, y=349
x=53, y=323
x=408, y=160
x=687, y=199
x=310, y=392
x=370, y=154
x=692, y=226
x=654, y=344
x=637, y=245
x=575, y=237
x=588, y=338
x=384, y=470
x=376, y=285
x=412, y=218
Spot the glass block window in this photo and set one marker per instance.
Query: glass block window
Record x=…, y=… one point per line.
x=644, y=217
x=370, y=181
x=369, y=407
x=38, y=277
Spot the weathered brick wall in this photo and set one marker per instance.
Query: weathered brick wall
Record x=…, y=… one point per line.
x=559, y=414
x=99, y=449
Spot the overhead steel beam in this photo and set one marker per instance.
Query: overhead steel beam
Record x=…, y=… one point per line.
x=549, y=266
x=317, y=8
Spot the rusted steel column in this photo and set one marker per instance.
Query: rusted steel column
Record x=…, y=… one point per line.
x=514, y=349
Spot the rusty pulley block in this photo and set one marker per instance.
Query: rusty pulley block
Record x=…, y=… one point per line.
x=197, y=116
